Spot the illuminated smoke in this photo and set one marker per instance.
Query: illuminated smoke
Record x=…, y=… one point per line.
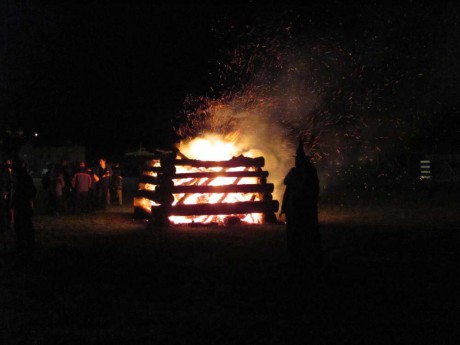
x=277, y=89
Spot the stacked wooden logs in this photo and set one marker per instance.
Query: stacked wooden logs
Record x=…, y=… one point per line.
x=163, y=193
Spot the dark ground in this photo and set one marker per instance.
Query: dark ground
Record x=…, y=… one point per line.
x=391, y=277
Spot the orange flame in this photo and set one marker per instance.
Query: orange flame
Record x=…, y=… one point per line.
x=209, y=148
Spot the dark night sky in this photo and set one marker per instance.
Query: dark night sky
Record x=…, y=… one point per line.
x=113, y=76
x=77, y=72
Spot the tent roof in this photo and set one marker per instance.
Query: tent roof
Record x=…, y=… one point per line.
x=141, y=152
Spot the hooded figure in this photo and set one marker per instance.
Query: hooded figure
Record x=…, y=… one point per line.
x=300, y=205
x=22, y=205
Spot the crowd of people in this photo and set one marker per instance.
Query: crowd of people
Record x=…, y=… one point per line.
x=67, y=190
x=82, y=189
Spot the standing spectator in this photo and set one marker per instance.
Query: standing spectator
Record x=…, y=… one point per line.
x=59, y=187
x=103, y=173
x=117, y=184
x=81, y=183
x=48, y=187
x=6, y=191
x=7, y=187
x=67, y=192
x=92, y=194
x=22, y=205
x=300, y=204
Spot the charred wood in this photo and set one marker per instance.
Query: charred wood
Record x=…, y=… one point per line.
x=149, y=179
x=149, y=194
x=238, y=188
x=232, y=163
x=154, y=169
x=232, y=188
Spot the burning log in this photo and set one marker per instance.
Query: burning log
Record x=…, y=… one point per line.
x=221, y=174
x=221, y=208
x=237, y=188
x=155, y=195
x=211, y=175
x=235, y=162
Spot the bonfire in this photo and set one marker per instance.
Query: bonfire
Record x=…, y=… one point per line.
x=206, y=181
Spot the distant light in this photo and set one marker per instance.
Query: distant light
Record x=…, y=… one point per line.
x=35, y=135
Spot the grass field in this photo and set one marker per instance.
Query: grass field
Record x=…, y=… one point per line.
x=391, y=276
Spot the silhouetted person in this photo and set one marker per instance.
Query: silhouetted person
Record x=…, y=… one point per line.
x=67, y=196
x=117, y=184
x=48, y=186
x=6, y=192
x=59, y=188
x=92, y=193
x=81, y=183
x=300, y=205
x=22, y=205
x=103, y=173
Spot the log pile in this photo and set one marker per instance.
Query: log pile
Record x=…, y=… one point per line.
x=167, y=190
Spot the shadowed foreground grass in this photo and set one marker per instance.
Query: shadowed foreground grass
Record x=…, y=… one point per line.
x=390, y=277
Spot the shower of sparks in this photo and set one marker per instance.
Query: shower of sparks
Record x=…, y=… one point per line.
x=342, y=95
